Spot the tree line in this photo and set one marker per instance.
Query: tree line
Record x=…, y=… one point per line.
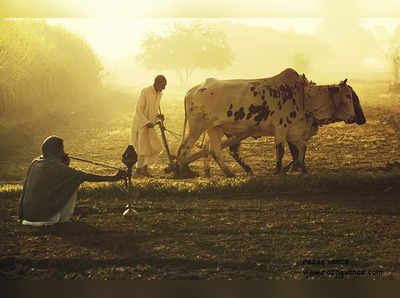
x=44, y=69
x=223, y=49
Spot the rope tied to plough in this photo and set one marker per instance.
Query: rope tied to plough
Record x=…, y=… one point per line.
x=177, y=135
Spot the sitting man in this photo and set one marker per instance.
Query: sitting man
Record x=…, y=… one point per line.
x=50, y=187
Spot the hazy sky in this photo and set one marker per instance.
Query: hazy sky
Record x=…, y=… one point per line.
x=116, y=38
x=199, y=8
x=115, y=28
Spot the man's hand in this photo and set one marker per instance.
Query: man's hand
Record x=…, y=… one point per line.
x=161, y=117
x=150, y=125
x=120, y=175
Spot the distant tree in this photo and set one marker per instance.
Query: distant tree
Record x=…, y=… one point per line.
x=396, y=65
x=185, y=48
x=393, y=56
x=341, y=29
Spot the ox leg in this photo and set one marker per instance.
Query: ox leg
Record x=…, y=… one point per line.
x=216, y=152
x=234, y=151
x=183, y=152
x=207, y=159
x=302, y=154
x=298, y=151
x=280, y=151
x=295, y=155
x=207, y=170
x=195, y=130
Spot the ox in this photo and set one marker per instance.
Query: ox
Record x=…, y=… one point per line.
x=285, y=106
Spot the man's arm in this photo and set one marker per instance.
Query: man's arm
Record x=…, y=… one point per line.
x=97, y=178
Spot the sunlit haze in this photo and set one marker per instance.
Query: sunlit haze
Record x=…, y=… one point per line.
x=212, y=8
x=116, y=39
x=320, y=31
x=110, y=37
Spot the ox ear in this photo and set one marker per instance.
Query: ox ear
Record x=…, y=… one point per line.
x=333, y=89
x=304, y=79
x=343, y=83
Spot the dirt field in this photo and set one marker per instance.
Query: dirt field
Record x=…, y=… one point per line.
x=340, y=221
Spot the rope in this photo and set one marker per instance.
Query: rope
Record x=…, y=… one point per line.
x=177, y=135
x=202, y=142
x=173, y=133
x=95, y=163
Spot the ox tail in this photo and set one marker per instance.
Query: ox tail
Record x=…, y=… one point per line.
x=184, y=126
x=360, y=118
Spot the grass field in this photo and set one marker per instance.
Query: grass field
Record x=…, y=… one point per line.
x=339, y=221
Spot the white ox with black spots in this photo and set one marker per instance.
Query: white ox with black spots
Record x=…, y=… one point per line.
x=285, y=106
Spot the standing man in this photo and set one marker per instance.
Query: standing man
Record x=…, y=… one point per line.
x=144, y=137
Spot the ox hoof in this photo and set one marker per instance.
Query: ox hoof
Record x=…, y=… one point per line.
x=304, y=171
x=290, y=165
x=170, y=169
x=279, y=172
x=230, y=175
x=192, y=174
x=250, y=174
x=185, y=172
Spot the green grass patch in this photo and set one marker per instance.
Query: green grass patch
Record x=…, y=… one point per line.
x=340, y=182
x=10, y=191
x=319, y=183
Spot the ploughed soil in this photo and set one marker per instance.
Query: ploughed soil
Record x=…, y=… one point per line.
x=313, y=233
x=224, y=236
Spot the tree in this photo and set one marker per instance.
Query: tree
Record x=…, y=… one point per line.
x=44, y=68
x=393, y=56
x=185, y=48
x=341, y=29
x=396, y=65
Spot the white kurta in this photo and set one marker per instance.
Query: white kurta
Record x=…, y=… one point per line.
x=146, y=141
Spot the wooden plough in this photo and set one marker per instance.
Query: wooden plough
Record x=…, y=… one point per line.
x=185, y=171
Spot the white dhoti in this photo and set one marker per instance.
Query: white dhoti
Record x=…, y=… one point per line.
x=146, y=141
x=146, y=160
x=64, y=215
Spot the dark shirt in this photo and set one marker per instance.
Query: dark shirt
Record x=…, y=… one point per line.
x=48, y=186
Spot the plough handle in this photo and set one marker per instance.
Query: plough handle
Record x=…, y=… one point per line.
x=160, y=123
